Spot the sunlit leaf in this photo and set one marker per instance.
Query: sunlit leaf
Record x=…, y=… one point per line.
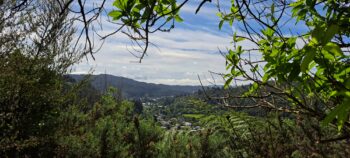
x=333, y=48
x=178, y=18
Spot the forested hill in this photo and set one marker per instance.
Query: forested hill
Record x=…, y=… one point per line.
x=135, y=89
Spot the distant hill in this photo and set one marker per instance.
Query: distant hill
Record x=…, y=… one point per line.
x=135, y=89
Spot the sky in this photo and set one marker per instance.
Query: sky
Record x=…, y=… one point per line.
x=180, y=56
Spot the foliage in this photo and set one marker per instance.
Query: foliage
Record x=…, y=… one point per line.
x=236, y=134
x=109, y=129
x=239, y=135
x=195, y=116
x=314, y=72
x=134, y=13
x=142, y=17
x=35, y=52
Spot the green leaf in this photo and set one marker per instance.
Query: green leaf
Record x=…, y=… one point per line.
x=333, y=48
x=268, y=32
x=323, y=35
x=310, y=3
x=331, y=31
x=274, y=53
x=317, y=34
x=178, y=18
x=145, y=14
x=169, y=18
x=347, y=83
x=254, y=87
x=340, y=113
x=121, y=4
x=296, y=4
x=130, y=4
x=231, y=22
x=118, y=4
x=234, y=9
x=310, y=54
x=228, y=82
x=237, y=39
x=220, y=24
x=266, y=77
x=219, y=14
x=273, y=8
x=140, y=6
x=115, y=14
x=294, y=73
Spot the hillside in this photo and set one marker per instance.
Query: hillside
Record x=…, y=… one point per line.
x=135, y=89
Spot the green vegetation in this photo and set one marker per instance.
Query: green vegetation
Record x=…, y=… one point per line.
x=296, y=105
x=195, y=116
x=315, y=71
x=108, y=129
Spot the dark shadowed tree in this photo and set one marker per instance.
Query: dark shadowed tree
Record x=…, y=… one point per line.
x=138, y=106
x=35, y=50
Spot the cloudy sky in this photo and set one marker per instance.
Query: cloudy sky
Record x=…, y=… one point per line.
x=189, y=50
x=179, y=57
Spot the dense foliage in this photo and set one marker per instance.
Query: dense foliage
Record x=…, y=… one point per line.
x=109, y=129
x=35, y=53
x=309, y=68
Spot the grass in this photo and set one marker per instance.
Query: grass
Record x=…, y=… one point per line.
x=195, y=116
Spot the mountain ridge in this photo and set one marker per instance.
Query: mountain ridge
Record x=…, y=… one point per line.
x=131, y=88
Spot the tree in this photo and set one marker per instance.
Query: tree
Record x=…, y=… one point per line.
x=309, y=69
x=109, y=129
x=138, y=106
x=35, y=50
x=38, y=46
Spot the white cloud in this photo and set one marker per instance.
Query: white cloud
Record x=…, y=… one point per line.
x=179, y=57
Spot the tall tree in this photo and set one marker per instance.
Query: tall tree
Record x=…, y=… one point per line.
x=35, y=50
